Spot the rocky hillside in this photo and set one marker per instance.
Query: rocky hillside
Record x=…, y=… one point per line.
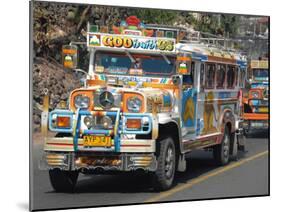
x=50, y=76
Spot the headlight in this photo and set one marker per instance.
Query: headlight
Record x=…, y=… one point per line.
x=106, y=122
x=89, y=121
x=255, y=94
x=134, y=104
x=81, y=101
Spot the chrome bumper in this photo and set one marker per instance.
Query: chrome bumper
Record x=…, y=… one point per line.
x=104, y=162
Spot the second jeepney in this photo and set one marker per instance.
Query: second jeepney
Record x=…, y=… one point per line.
x=256, y=97
x=149, y=99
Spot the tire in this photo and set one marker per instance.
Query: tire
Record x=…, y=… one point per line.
x=166, y=158
x=221, y=151
x=63, y=181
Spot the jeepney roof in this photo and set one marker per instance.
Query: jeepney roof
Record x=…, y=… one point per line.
x=208, y=51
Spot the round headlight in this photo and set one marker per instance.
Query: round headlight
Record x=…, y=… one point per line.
x=255, y=94
x=89, y=121
x=106, y=122
x=134, y=104
x=81, y=101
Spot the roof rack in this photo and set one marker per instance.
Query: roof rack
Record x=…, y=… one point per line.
x=186, y=35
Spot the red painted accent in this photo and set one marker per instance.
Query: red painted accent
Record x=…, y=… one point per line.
x=133, y=21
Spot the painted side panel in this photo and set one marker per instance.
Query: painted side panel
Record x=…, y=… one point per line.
x=189, y=101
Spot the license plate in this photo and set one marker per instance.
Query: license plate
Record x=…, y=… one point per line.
x=97, y=141
x=263, y=110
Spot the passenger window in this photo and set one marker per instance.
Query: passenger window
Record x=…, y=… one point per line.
x=242, y=78
x=210, y=76
x=202, y=75
x=189, y=79
x=220, y=76
x=231, y=74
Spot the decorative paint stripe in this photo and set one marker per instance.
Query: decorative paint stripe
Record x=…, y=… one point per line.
x=124, y=145
x=62, y=144
x=205, y=137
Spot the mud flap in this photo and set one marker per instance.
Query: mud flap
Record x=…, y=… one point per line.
x=234, y=153
x=241, y=140
x=181, y=163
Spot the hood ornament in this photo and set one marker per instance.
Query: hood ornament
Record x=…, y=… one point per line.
x=106, y=99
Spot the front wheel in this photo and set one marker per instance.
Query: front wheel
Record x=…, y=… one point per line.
x=221, y=151
x=166, y=158
x=63, y=181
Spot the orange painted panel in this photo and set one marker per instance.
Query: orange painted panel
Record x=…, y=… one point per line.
x=255, y=116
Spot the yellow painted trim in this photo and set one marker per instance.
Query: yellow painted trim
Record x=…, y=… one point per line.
x=198, y=180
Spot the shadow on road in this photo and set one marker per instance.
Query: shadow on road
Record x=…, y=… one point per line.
x=258, y=134
x=199, y=163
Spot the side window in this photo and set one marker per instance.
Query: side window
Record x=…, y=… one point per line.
x=231, y=72
x=220, y=76
x=242, y=77
x=192, y=71
x=189, y=79
x=210, y=76
x=202, y=67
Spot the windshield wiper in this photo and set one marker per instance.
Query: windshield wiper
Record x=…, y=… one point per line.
x=166, y=59
x=130, y=56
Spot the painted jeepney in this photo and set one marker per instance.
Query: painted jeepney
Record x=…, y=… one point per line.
x=148, y=100
x=256, y=97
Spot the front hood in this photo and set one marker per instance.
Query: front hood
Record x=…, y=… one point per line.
x=154, y=99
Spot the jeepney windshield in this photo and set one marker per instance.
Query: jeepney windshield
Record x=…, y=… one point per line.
x=260, y=74
x=138, y=64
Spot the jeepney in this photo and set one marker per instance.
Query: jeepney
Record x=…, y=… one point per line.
x=256, y=97
x=150, y=97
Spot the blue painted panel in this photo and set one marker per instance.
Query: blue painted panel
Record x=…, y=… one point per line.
x=189, y=100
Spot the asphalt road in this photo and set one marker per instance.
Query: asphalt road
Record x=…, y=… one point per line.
x=202, y=180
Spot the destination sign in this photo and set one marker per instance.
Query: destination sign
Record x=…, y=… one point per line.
x=131, y=42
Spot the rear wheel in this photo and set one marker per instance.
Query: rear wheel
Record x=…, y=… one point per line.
x=221, y=151
x=166, y=157
x=63, y=181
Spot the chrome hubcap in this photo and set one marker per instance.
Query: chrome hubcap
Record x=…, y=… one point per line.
x=169, y=163
x=225, y=146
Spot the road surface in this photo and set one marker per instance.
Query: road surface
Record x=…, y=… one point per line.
x=202, y=180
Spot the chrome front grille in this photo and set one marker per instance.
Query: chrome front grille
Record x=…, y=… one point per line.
x=116, y=101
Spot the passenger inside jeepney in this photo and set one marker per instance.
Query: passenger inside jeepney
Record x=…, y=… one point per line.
x=121, y=63
x=220, y=76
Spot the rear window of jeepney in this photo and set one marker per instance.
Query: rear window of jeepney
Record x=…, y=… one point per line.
x=120, y=63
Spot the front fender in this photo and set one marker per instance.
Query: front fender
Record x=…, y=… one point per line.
x=226, y=117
